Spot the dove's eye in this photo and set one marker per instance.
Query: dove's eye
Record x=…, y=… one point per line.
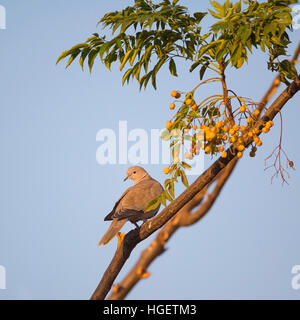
x=134, y=172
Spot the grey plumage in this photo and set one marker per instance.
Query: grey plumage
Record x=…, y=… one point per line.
x=131, y=205
x=113, y=229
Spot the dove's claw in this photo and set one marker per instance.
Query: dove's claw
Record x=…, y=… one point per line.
x=137, y=226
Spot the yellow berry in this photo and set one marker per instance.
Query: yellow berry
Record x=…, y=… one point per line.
x=242, y=108
x=256, y=131
x=231, y=132
x=232, y=139
x=256, y=112
x=225, y=129
x=175, y=94
x=242, y=128
x=220, y=124
x=166, y=170
x=169, y=124
x=265, y=130
x=207, y=149
x=195, y=127
x=256, y=139
x=269, y=124
x=239, y=154
x=188, y=102
x=250, y=134
x=235, y=127
x=172, y=106
x=249, y=120
x=212, y=135
x=194, y=107
x=241, y=147
x=224, y=137
x=221, y=148
x=224, y=154
x=258, y=143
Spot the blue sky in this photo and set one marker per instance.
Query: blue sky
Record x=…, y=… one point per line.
x=54, y=195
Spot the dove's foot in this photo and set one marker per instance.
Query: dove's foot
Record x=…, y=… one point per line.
x=136, y=225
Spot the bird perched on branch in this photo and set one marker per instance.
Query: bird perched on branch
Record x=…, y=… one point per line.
x=133, y=202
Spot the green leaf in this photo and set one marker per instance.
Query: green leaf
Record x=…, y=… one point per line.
x=163, y=199
x=194, y=66
x=103, y=49
x=126, y=76
x=147, y=78
x=126, y=57
x=162, y=30
x=171, y=189
x=237, y=7
x=71, y=59
x=245, y=32
x=84, y=54
x=153, y=80
x=92, y=57
x=153, y=204
x=215, y=15
x=185, y=165
x=172, y=68
x=184, y=179
x=168, y=196
x=199, y=16
x=202, y=71
x=218, y=7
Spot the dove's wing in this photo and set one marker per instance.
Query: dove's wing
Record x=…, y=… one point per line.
x=110, y=216
x=134, y=202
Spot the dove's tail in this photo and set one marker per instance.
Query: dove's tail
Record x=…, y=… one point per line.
x=113, y=229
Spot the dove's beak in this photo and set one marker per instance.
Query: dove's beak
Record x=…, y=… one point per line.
x=126, y=178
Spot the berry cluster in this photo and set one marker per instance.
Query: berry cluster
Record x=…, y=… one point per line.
x=219, y=130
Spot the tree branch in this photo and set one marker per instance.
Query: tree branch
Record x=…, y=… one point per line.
x=133, y=237
x=276, y=83
x=183, y=218
x=225, y=94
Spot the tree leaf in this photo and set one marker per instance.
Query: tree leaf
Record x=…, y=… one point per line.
x=184, y=179
x=172, y=68
x=92, y=56
x=153, y=204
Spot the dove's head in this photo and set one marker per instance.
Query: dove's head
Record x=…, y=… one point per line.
x=136, y=174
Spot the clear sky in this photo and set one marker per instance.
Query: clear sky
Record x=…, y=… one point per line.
x=54, y=194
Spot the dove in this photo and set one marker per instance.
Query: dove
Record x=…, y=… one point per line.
x=133, y=202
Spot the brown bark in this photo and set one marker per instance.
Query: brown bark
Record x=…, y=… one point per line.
x=225, y=95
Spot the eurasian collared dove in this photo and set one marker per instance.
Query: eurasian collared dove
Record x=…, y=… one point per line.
x=133, y=202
